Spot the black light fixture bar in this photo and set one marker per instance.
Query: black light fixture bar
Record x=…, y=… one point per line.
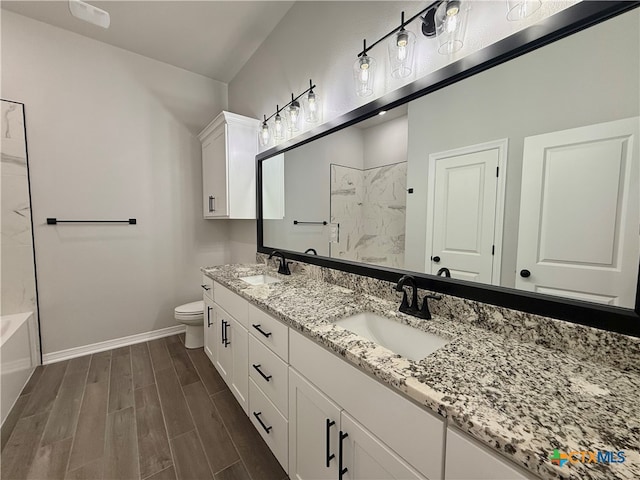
x=55, y=221
x=278, y=109
x=402, y=24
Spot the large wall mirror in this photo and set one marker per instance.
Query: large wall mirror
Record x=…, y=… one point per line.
x=518, y=185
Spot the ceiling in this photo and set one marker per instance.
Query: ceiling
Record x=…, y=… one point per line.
x=212, y=38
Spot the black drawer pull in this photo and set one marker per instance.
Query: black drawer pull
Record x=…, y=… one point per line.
x=330, y=456
x=208, y=316
x=222, y=340
x=226, y=334
x=341, y=470
x=257, y=368
x=257, y=327
x=257, y=415
x=206, y=287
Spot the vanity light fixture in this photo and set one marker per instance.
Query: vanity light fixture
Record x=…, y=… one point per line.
x=363, y=72
x=293, y=116
x=520, y=9
x=444, y=19
x=401, y=47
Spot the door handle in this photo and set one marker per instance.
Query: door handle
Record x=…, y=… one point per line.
x=226, y=335
x=436, y=259
x=257, y=368
x=208, y=316
x=257, y=415
x=341, y=470
x=330, y=456
x=212, y=203
x=257, y=327
x=525, y=273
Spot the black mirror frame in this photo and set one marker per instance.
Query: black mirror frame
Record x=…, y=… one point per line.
x=575, y=18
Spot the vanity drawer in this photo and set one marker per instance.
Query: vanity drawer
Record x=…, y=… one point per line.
x=271, y=332
x=274, y=380
x=274, y=428
x=207, y=286
x=233, y=303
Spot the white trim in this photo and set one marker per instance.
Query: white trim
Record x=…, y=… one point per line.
x=502, y=145
x=110, y=344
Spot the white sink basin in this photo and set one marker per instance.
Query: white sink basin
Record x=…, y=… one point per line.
x=260, y=279
x=397, y=337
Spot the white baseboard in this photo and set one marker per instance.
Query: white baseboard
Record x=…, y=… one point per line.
x=110, y=344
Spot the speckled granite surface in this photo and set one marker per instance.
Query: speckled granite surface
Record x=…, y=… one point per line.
x=522, y=399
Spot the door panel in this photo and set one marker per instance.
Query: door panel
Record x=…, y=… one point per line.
x=214, y=171
x=464, y=214
x=579, y=213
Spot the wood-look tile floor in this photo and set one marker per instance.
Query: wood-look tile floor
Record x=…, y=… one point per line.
x=154, y=410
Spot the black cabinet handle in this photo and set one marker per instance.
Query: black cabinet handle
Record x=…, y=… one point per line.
x=341, y=471
x=330, y=456
x=206, y=287
x=257, y=368
x=212, y=206
x=222, y=339
x=525, y=273
x=257, y=327
x=257, y=415
x=208, y=316
x=436, y=259
x=226, y=334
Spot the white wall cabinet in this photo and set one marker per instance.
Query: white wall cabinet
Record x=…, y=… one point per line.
x=229, y=148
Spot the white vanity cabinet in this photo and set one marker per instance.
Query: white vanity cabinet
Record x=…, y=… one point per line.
x=229, y=148
x=230, y=348
x=388, y=436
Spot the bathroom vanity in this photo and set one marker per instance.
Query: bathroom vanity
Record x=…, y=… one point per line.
x=484, y=405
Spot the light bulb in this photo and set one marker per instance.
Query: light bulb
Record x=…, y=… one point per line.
x=401, y=42
x=363, y=71
x=264, y=134
x=293, y=115
x=278, y=127
x=312, y=107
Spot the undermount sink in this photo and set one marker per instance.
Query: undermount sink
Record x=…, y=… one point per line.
x=260, y=279
x=397, y=337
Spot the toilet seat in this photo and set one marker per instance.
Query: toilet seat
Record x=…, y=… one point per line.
x=190, y=311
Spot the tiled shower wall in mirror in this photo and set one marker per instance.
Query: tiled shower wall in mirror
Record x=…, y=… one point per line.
x=369, y=207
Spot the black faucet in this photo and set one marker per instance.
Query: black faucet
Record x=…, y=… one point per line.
x=284, y=265
x=445, y=271
x=412, y=308
x=311, y=250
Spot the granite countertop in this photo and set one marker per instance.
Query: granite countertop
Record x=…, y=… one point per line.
x=521, y=399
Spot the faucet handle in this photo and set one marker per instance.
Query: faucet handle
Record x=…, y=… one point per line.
x=431, y=295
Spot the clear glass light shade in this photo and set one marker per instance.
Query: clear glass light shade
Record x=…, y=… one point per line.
x=451, y=24
x=293, y=114
x=519, y=9
x=264, y=135
x=312, y=107
x=363, y=74
x=401, y=47
x=278, y=129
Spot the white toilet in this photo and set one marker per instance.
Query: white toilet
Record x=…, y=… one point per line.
x=192, y=314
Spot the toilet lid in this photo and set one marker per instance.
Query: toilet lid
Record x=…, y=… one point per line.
x=193, y=308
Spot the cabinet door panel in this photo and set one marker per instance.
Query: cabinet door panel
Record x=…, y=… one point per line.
x=309, y=411
x=214, y=174
x=367, y=458
x=210, y=342
x=239, y=344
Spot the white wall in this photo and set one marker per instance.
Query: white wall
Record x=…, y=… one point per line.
x=320, y=40
x=580, y=80
x=379, y=150
x=111, y=135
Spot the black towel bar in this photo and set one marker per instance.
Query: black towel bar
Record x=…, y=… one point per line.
x=55, y=221
x=296, y=222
